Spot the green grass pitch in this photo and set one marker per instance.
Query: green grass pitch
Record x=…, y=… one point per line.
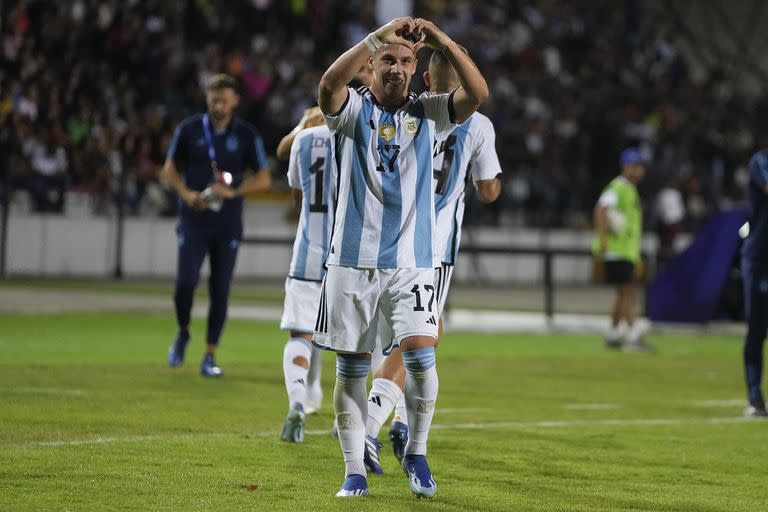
x=92, y=419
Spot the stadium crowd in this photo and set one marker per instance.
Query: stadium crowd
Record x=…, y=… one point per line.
x=90, y=91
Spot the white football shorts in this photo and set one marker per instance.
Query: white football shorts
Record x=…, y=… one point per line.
x=443, y=275
x=302, y=299
x=355, y=303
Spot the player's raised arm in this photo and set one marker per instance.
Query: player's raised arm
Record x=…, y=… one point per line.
x=332, y=91
x=312, y=117
x=474, y=89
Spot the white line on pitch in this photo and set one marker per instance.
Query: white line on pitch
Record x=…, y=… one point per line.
x=438, y=426
x=455, y=410
x=43, y=391
x=736, y=402
x=591, y=407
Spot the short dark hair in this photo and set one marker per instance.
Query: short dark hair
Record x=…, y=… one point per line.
x=221, y=81
x=438, y=58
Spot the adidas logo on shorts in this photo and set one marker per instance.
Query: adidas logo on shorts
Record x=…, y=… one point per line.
x=432, y=320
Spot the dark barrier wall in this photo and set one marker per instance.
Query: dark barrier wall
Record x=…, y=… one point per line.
x=690, y=287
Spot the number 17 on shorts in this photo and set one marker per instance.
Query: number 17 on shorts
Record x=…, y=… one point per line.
x=357, y=302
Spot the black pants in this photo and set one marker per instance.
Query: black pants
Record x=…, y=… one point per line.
x=756, y=304
x=221, y=245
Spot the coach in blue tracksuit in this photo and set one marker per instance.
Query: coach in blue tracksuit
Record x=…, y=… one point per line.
x=213, y=159
x=754, y=267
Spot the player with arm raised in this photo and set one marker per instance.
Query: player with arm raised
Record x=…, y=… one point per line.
x=468, y=152
x=381, y=260
x=754, y=271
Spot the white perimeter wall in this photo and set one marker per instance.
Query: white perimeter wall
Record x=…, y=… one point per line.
x=85, y=246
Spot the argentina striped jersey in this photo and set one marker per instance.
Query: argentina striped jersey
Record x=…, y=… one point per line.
x=309, y=170
x=385, y=213
x=468, y=152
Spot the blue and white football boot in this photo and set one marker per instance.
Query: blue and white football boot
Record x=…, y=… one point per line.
x=208, y=367
x=398, y=436
x=293, y=429
x=419, y=476
x=371, y=455
x=354, y=486
x=177, y=349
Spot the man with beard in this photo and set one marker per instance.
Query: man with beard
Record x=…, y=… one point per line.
x=213, y=160
x=381, y=260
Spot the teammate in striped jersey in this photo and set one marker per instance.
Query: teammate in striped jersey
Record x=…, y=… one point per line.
x=467, y=153
x=309, y=176
x=311, y=185
x=381, y=260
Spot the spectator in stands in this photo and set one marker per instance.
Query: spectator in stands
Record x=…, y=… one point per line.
x=670, y=214
x=575, y=80
x=47, y=176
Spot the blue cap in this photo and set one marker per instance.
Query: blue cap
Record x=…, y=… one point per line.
x=631, y=156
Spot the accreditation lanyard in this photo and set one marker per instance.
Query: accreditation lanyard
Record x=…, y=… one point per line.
x=211, y=148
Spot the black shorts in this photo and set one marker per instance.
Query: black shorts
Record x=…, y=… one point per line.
x=619, y=271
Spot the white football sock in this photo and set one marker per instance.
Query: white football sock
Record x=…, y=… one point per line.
x=382, y=398
x=635, y=333
x=421, y=385
x=349, y=401
x=614, y=333
x=377, y=357
x=295, y=375
x=315, y=368
x=401, y=414
x=314, y=387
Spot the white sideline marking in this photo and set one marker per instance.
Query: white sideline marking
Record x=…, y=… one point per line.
x=736, y=402
x=43, y=391
x=458, y=410
x=591, y=407
x=437, y=426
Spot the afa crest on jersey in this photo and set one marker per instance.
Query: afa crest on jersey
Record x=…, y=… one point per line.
x=411, y=126
x=386, y=132
x=232, y=144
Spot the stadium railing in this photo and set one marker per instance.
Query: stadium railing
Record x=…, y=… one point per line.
x=547, y=255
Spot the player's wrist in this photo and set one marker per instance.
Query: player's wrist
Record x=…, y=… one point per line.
x=373, y=42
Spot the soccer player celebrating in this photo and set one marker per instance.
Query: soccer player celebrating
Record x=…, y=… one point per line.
x=619, y=227
x=309, y=176
x=381, y=260
x=754, y=271
x=213, y=160
x=468, y=151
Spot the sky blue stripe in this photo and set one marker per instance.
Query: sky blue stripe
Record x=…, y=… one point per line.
x=355, y=211
x=305, y=160
x=327, y=177
x=441, y=201
x=422, y=243
x=450, y=251
x=393, y=201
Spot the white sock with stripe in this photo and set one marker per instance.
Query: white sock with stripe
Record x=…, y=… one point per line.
x=349, y=401
x=382, y=398
x=421, y=387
